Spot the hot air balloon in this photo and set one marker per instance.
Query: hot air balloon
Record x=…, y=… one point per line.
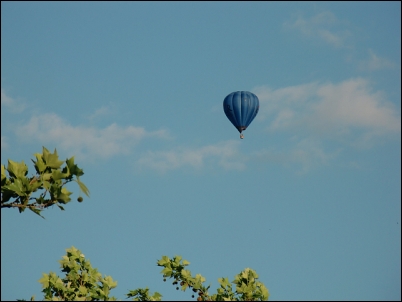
x=241, y=107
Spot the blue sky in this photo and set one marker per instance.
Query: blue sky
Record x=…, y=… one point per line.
x=310, y=198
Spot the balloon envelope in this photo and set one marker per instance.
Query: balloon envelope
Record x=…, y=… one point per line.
x=241, y=107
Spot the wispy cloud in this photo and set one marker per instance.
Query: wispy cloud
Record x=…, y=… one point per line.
x=5, y=100
x=10, y=103
x=353, y=104
x=319, y=121
x=309, y=115
x=99, y=113
x=85, y=142
x=102, y=112
x=331, y=111
x=305, y=155
x=225, y=155
x=4, y=144
x=94, y=143
x=375, y=62
x=324, y=26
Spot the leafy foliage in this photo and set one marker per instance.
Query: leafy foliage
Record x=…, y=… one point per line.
x=17, y=189
x=84, y=283
x=81, y=283
x=247, y=286
x=142, y=294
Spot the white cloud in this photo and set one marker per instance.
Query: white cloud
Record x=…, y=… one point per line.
x=329, y=111
x=375, y=62
x=306, y=154
x=87, y=142
x=224, y=154
x=6, y=100
x=10, y=103
x=4, y=144
x=352, y=104
x=317, y=115
x=102, y=112
x=323, y=25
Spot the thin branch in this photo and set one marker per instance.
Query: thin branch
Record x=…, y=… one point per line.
x=32, y=205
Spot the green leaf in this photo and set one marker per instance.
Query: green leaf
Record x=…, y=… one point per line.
x=109, y=281
x=39, y=164
x=167, y=271
x=3, y=174
x=177, y=259
x=74, y=170
x=185, y=262
x=83, y=290
x=186, y=273
x=239, y=289
x=46, y=184
x=36, y=211
x=17, y=170
x=224, y=282
x=51, y=159
x=83, y=187
x=34, y=184
x=184, y=287
x=64, y=261
x=63, y=197
x=264, y=292
x=157, y=296
x=199, y=278
x=57, y=175
x=16, y=187
x=165, y=260
x=72, y=251
x=44, y=280
x=7, y=194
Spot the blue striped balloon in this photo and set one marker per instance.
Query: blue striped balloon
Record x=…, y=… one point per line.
x=241, y=107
